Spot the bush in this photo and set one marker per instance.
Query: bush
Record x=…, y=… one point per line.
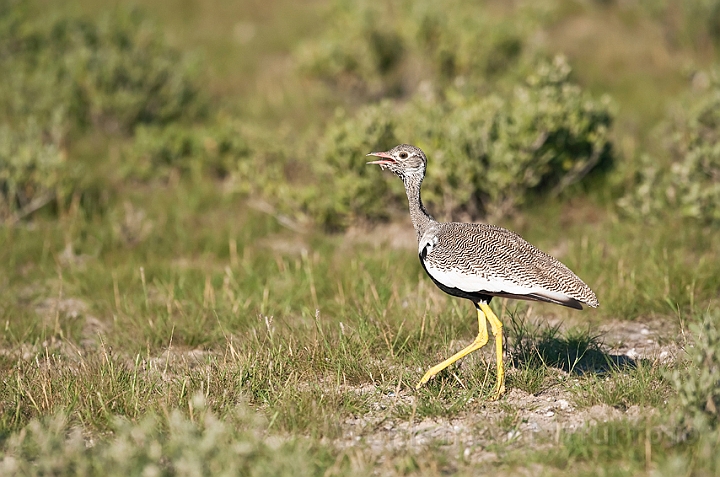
x=698, y=384
x=360, y=51
x=65, y=79
x=487, y=154
x=380, y=49
x=215, y=150
x=347, y=189
x=112, y=74
x=687, y=180
x=32, y=167
x=171, y=445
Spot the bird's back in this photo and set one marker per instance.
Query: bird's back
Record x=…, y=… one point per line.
x=489, y=260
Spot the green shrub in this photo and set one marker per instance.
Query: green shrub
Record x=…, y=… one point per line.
x=389, y=48
x=698, y=384
x=487, y=154
x=687, y=180
x=347, y=189
x=111, y=74
x=172, y=445
x=213, y=150
x=67, y=78
x=360, y=52
x=467, y=41
x=32, y=167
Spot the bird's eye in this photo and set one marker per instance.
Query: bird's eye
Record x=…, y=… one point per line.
x=403, y=155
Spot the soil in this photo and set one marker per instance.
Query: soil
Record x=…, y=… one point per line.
x=536, y=419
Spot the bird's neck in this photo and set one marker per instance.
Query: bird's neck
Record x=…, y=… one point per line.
x=421, y=220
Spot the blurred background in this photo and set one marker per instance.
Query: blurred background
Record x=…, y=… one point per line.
x=278, y=102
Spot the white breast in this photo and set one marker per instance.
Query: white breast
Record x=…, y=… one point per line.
x=427, y=243
x=479, y=282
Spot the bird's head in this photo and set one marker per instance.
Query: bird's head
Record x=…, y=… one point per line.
x=405, y=161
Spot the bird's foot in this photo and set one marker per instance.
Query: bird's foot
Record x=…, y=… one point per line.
x=498, y=392
x=426, y=377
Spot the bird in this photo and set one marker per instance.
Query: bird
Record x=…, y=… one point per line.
x=479, y=261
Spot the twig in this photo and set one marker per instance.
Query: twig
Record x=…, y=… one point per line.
x=34, y=205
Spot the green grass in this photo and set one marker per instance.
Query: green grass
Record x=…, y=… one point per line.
x=640, y=447
x=311, y=331
x=175, y=327
x=305, y=332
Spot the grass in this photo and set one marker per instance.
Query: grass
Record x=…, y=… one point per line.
x=312, y=332
x=174, y=328
x=309, y=336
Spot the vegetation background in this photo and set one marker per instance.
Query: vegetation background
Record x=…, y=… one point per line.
x=199, y=275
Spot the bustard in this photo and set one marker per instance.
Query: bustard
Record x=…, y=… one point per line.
x=480, y=261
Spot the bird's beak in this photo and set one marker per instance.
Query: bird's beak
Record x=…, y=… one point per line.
x=386, y=158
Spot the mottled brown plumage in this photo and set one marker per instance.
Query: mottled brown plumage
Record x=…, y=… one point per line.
x=511, y=266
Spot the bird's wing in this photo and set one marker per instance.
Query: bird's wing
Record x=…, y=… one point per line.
x=478, y=258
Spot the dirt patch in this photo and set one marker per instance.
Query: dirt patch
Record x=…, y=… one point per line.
x=517, y=420
x=535, y=419
x=649, y=340
x=56, y=312
x=475, y=435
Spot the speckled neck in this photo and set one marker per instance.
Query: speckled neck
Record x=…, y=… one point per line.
x=421, y=220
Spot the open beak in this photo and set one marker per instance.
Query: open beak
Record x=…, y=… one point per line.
x=386, y=158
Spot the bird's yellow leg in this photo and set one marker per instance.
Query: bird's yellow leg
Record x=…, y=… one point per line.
x=480, y=341
x=497, y=331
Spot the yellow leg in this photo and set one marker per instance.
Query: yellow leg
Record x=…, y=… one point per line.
x=480, y=341
x=496, y=326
